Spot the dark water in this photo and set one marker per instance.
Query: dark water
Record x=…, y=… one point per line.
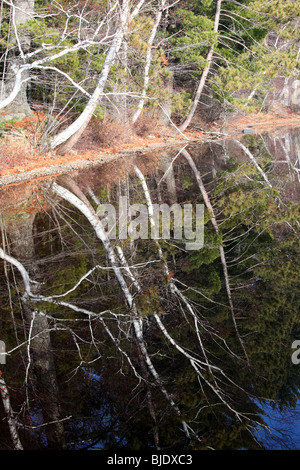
x=142, y=343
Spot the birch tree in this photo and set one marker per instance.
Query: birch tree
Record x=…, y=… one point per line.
x=68, y=137
x=10, y=416
x=108, y=32
x=152, y=36
x=205, y=72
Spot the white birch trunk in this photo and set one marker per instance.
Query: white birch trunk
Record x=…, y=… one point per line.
x=75, y=130
x=204, y=75
x=11, y=420
x=259, y=168
x=204, y=194
x=148, y=61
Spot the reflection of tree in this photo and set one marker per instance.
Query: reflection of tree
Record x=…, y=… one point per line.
x=146, y=354
x=40, y=356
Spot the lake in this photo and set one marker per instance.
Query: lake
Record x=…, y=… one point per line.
x=152, y=303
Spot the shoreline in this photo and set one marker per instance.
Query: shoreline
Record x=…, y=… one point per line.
x=57, y=165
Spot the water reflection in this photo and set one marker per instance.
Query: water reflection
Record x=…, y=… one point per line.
x=143, y=344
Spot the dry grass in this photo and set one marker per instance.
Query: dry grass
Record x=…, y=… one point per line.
x=16, y=152
x=104, y=134
x=109, y=132
x=148, y=124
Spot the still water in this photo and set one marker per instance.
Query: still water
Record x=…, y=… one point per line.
x=118, y=339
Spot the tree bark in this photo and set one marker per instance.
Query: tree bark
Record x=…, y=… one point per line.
x=66, y=139
x=11, y=420
x=148, y=61
x=215, y=225
x=21, y=11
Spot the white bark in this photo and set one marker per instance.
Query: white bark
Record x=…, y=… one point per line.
x=24, y=68
x=81, y=122
x=12, y=86
x=253, y=160
x=204, y=75
x=148, y=61
x=22, y=10
x=214, y=222
x=20, y=267
x=137, y=322
x=11, y=420
x=198, y=365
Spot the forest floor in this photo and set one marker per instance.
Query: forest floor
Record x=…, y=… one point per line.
x=20, y=163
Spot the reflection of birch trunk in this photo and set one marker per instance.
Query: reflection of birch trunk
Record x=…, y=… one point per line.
x=11, y=420
x=20, y=232
x=149, y=397
x=204, y=75
x=79, y=201
x=253, y=160
x=221, y=249
x=197, y=364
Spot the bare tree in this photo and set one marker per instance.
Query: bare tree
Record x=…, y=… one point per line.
x=204, y=75
x=20, y=12
x=156, y=23
x=109, y=30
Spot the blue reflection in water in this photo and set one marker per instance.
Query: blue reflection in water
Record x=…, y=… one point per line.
x=284, y=433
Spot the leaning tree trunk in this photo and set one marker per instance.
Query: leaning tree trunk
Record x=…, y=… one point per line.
x=215, y=225
x=148, y=61
x=20, y=233
x=66, y=139
x=166, y=165
x=20, y=12
x=204, y=75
